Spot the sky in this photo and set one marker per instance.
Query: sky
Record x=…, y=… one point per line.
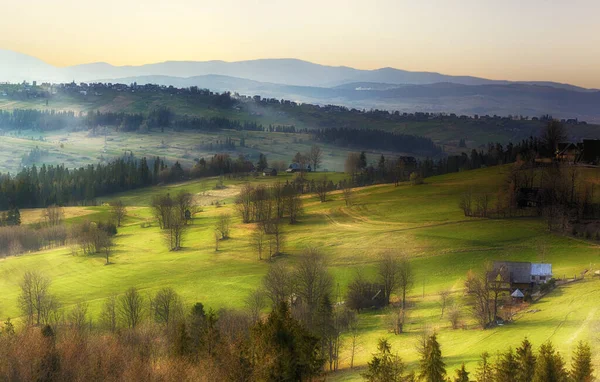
x=554, y=40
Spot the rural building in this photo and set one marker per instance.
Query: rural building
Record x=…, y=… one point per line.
x=587, y=151
x=269, y=172
x=569, y=152
x=520, y=274
x=295, y=167
x=591, y=151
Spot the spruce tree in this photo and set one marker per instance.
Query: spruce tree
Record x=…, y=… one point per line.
x=550, y=366
x=506, y=366
x=581, y=364
x=461, y=374
x=384, y=367
x=432, y=367
x=525, y=362
x=484, y=372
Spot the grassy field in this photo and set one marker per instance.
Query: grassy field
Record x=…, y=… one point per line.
x=422, y=221
x=79, y=148
x=477, y=134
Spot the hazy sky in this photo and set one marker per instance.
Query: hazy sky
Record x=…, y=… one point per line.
x=557, y=40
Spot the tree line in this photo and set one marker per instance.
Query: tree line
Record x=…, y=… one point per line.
x=299, y=339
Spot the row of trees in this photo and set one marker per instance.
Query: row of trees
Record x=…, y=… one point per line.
x=520, y=365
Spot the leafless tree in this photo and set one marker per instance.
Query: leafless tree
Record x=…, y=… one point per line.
x=312, y=283
x=118, y=211
x=184, y=204
x=348, y=194
x=406, y=278
x=108, y=315
x=352, y=164
x=479, y=295
x=465, y=203
x=175, y=232
x=35, y=298
x=243, y=202
x=277, y=237
x=255, y=303
x=162, y=209
x=454, y=316
x=315, y=156
x=553, y=134
x=131, y=307
x=217, y=236
x=107, y=245
x=54, y=215
x=389, y=274
x=292, y=203
x=258, y=241
x=277, y=283
x=444, y=298
x=78, y=317
x=166, y=306
x=322, y=188
x=222, y=225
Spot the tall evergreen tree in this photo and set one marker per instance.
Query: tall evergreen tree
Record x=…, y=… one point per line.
x=462, y=375
x=581, y=364
x=525, y=362
x=431, y=366
x=384, y=366
x=506, y=366
x=484, y=372
x=550, y=366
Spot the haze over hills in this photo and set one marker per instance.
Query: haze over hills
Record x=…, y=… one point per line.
x=302, y=81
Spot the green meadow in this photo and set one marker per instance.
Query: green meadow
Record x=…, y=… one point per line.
x=422, y=221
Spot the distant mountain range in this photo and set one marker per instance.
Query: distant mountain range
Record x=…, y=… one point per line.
x=385, y=88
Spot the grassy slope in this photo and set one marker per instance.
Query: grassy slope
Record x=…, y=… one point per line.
x=445, y=133
x=422, y=221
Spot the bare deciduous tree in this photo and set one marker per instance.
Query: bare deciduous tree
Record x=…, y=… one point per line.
x=277, y=284
x=255, y=303
x=315, y=156
x=388, y=275
x=184, y=204
x=176, y=230
x=54, y=215
x=444, y=298
x=258, y=241
x=406, y=278
x=131, y=307
x=454, y=316
x=78, y=317
x=312, y=283
x=35, y=298
x=166, y=306
x=222, y=225
x=108, y=315
x=322, y=188
x=118, y=211
x=348, y=194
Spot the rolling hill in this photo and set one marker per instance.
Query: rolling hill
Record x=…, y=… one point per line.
x=385, y=88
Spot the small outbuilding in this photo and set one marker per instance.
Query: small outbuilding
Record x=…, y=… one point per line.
x=517, y=295
x=269, y=172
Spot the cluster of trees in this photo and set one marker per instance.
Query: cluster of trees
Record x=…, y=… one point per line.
x=298, y=340
x=173, y=214
x=519, y=365
x=188, y=343
x=28, y=119
x=48, y=185
x=160, y=117
x=268, y=207
x=16, y=239
x=377, y=140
